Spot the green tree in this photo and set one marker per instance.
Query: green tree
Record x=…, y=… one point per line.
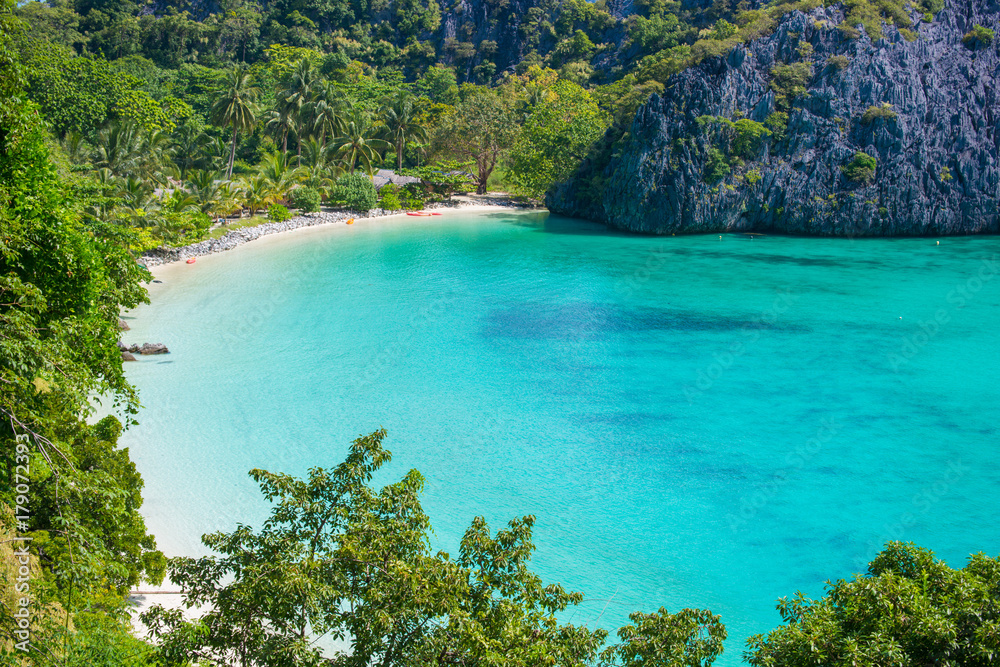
x=481, y=130
x=279, y=174
x=257, y=192
x=439, y=84
x=190, y=148
x=358, y=143
x=689, y=638
x=861, y=168
x=328, y=111
x=280, y=122
x=298, y=97
x=337, y=557
x=205, y=187
x=789, y=82
x=63, y=281
x=305, y=199
x=555, y=139
x=125, y=149
x=909, y=609
x=399, y=125
x=748, y=137
x=355, y=192
x=235, y=107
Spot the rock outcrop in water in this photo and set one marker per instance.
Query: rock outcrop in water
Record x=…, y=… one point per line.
x=927, y=110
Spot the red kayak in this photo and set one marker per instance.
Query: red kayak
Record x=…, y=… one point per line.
x=191, y=261
x=420, y=214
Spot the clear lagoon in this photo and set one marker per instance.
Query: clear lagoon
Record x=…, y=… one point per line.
x=695, y=421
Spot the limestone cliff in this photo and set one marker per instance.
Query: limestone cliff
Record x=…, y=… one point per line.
x=927, y=110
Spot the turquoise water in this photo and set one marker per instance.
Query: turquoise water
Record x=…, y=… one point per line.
x=695, y=421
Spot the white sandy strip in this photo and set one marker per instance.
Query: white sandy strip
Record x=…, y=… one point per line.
x=317, y=223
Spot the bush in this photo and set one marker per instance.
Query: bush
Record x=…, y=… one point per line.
x=838, y=62
x=389, y=198
x=777, y=121
x=412, y=197
x=873, y=112
x=790, y=81
x=716, y=167
x=278, y=213
x=355, y=192
x=305, y=199
x=724, y=30
x=861, y=168
x=748, y=137
x=978, y=36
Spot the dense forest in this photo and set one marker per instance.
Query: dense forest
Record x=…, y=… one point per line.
x=175, y=116
x=125, y=127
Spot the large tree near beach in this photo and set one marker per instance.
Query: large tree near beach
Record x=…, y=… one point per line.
x=358, y=142
x=235, y=106
x=481, y=130
x=400, y=125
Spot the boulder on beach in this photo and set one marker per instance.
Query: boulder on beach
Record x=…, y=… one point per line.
x=127, y=356
x=122, y=347
x=153, y=348
x=134, y=348
x=122, y=325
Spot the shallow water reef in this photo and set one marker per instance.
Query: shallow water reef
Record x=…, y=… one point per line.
x=815, y=129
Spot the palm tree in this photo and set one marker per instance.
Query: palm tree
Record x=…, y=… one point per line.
x=399, y=125
x=235, y=106
x=279, y=175
x=137, y=201
x=204, y=187
x=280, y=122
x=358, y=143
x=120, y=149
x=257, y=192
x=191, y=148
x=229, y=199
x=75, y=146
x=126, y=149
x=327, y=111
x=317, y=171
x=179, y=201
x=299, y=97
x=102, y=208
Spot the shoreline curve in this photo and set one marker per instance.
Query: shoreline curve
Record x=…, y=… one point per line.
x=238, y=237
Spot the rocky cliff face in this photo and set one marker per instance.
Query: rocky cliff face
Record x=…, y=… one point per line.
x=936, y=144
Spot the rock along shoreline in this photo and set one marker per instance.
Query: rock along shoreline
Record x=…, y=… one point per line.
x=238, y=237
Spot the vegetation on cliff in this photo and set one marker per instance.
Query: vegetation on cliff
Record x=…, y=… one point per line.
x=862, y=133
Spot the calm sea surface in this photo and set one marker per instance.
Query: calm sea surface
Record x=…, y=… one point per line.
x=695, y=421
